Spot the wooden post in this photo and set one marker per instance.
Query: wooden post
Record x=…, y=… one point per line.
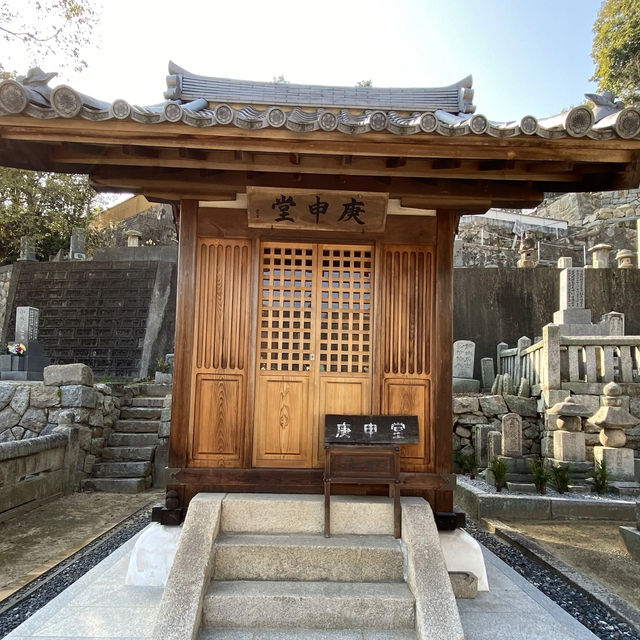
x=184, y=336
x=443, y=365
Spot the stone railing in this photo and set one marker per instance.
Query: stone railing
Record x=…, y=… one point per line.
x=36, y=469
x=572, y=362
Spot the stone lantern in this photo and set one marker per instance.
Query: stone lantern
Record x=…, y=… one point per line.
x=600, y=256
x=613, y=419
x=528, y=252
x=133, y=238
x=625, y=259
x=569, y=441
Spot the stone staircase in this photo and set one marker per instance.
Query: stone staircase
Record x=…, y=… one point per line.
x=127, y=460
x=293, y=585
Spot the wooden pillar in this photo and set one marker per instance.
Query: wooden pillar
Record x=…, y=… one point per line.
x=443, y=327
x=184, y=337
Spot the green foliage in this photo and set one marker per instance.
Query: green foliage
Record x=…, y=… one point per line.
x=162, y=365
x=616, y=48
x=46, y=206
x=601, y=478
x=541, y=474
x=56, y=28
x=561, y=478
x=499, y=470
x=364, y=83
x=466, y=462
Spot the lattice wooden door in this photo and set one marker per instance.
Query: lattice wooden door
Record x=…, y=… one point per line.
x=314, y=347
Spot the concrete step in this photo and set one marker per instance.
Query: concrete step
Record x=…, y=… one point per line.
x=305, y=634
x=132, y=439
x=309, y=605
x=117, y=485
x=341, y=558
x=128, y=453
x=146, y=401
x=122, y=469
x=137, y=426
x=141, y=413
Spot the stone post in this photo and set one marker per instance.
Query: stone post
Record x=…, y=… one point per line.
x=523, y=344
x=499, y=349
x=550, y=374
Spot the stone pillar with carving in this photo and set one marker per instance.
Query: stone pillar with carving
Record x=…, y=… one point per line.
x=613, y=419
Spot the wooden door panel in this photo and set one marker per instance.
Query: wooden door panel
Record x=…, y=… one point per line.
x=222, y=321
x=283, y=434
x=410, y=397
x=341, y=395
x=217, y=436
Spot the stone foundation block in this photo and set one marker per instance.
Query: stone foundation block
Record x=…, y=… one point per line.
x=77, y=395
x=493, y=405
x=569, y=446
x=68, y=374
x=619, y=462
x=527, y=407
x=43, y=397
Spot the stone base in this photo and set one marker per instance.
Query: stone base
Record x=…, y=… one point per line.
x=631, y=489
x=463, y=553
x=519, y=465
x=522, y=487
x=152, y=556
x=579, y=488
x=619, y=462
x=466, y=385
x=569, y=446
x=21, y=376
x=572, y=316
x=631, y=538
x=578, y=471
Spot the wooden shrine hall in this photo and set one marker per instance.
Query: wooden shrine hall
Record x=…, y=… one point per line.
x=316, y=230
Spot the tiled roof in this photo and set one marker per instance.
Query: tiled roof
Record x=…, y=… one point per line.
x=32, y=96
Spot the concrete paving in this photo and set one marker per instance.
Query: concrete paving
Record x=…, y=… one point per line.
x=99, y=605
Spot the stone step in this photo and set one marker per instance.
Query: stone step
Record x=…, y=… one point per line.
x=305, y=634
x=137, y=426
x=146, y=401
x=117, y=485
x=156, y=390
x=341, y=558
x=122, y=469
x=141, y=413
x=309, y=605
x=133, y=439
x=128, y=453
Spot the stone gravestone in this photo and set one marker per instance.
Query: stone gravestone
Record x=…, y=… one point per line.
x=487, y=373
x=571, y=310
x=27, y=320
x=77, y=250
x=512, y=435
x=27, y=249
x=29, y=366
x=464, y=352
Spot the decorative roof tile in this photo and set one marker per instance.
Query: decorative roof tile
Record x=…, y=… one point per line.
x=214, y=106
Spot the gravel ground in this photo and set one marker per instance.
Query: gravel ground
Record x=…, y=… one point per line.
x=25, y=602
x=582, y=607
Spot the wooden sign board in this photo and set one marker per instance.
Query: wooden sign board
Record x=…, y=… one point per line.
x=306, y=209
x=360, y=429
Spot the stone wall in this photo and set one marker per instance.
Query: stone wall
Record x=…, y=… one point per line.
x=67, y=398
x=115, y=316
x=36, y=469
x=471, y=411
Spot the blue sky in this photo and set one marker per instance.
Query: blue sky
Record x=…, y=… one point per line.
x=525, y=56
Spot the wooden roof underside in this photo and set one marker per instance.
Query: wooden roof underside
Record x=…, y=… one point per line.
x=170, y=161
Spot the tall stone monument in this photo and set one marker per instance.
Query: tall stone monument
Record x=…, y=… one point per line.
x=77, y=245
x=27, y=249
x=464, y=353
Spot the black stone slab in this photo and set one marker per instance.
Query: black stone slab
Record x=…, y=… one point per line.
x=370, y=429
